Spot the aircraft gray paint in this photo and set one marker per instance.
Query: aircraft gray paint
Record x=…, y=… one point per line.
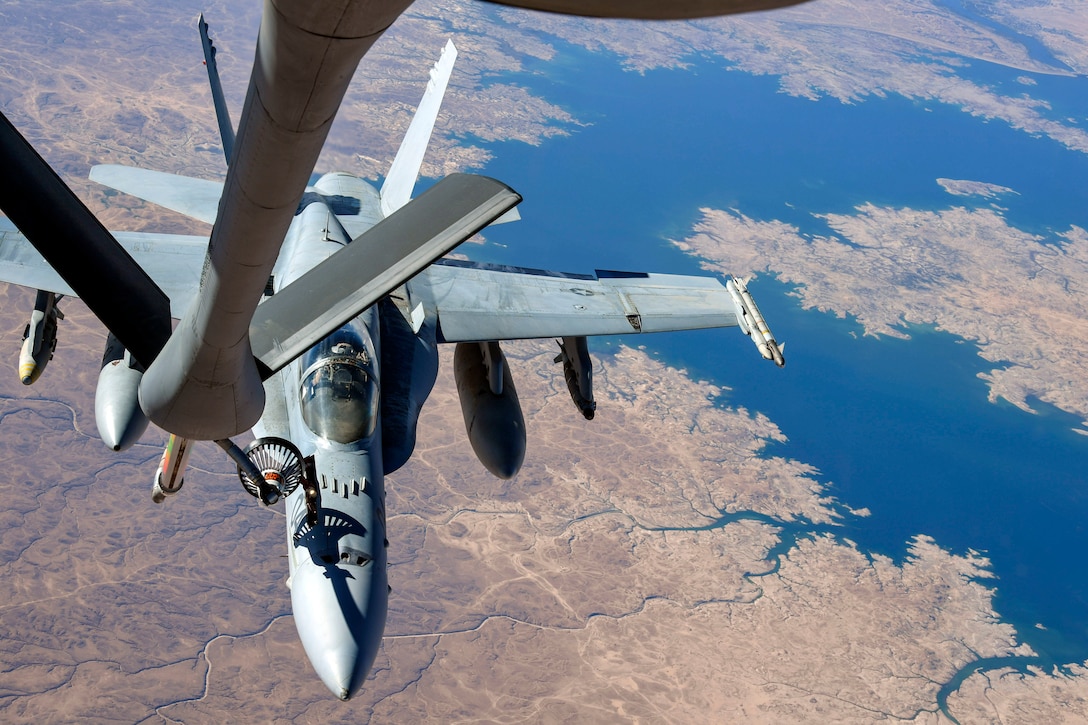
x=357, y=303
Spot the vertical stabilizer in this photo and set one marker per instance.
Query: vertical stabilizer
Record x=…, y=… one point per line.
x=397, y=189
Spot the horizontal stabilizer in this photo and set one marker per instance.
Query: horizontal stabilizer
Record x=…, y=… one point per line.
x=511, y=216
x=478, y=302
x=390, y=253
x=196, y=198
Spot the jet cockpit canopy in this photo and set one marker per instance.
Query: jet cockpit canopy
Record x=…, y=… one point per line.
x=339, y=391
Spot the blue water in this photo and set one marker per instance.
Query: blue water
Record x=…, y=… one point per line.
x=970, y=9
x=672, y=142
x=900, y=427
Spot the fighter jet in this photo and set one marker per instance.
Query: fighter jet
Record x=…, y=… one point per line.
x=323, y=339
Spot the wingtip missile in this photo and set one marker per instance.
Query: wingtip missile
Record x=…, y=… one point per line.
x=752, y=323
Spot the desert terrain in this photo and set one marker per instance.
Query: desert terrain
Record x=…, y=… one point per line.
x=656, y=564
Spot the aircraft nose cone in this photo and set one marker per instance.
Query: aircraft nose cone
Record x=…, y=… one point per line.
x=339, y=672
x=340, y=612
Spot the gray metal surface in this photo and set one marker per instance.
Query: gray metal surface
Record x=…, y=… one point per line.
x=374, y=264
x=476, y=303
x=196, y=198
x=117, y=412
x=338, y=580
x=173, y=262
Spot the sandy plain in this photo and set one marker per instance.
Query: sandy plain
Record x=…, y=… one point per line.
x=647, y=565
x=655, y=564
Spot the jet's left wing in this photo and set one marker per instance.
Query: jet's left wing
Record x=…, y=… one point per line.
x=479, y=302
x=173, y=261
x=474, y=302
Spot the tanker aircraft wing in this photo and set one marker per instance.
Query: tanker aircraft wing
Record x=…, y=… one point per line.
x=649, y=9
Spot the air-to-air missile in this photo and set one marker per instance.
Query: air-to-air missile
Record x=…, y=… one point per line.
x=752, y=323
